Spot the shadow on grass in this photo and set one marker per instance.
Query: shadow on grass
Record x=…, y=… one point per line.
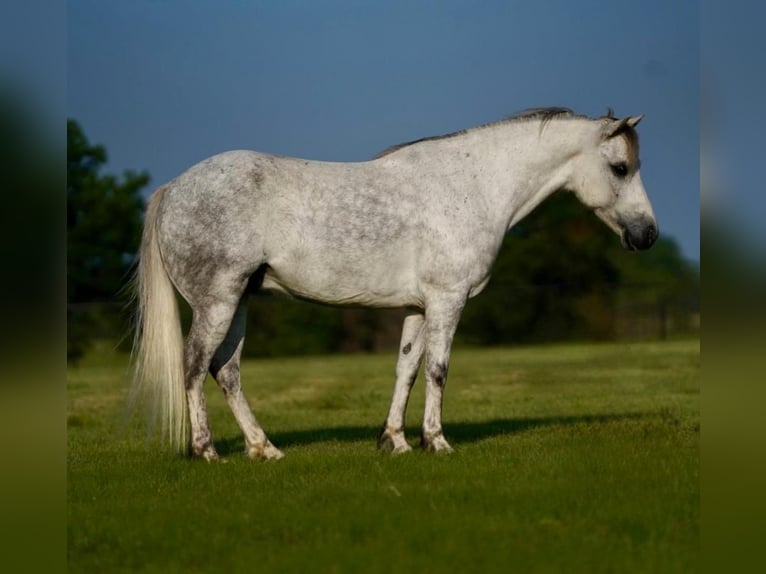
x=457, y=432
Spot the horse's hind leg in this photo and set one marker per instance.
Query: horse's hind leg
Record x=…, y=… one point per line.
x=210, y=324
x=225, y=369
x=410, y=354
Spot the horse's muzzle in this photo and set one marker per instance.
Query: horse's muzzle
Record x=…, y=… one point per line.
x=639, y=236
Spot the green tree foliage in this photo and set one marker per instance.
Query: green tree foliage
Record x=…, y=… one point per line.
x=281, y=326
x=657, y=283
x=104, y=218
x=104, y=221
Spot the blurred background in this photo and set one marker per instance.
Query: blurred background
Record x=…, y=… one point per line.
x=154, y=87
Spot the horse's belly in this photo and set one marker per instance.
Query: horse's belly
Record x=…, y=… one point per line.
x=342, y=287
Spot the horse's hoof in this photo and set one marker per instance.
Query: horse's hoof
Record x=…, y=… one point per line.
x=208, y=453
x=436, y=443
x=394, y=443
x=264, y=452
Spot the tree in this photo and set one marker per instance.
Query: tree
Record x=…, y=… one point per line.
x=658, y=289
x=104, y=221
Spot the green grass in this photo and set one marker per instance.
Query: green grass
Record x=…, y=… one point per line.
x=570, y=458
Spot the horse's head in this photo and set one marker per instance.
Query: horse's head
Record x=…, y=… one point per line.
x=606, y=179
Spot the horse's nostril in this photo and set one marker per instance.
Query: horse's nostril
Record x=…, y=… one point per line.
x=650, y=235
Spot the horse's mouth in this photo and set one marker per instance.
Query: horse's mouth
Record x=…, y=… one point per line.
x=625, y=238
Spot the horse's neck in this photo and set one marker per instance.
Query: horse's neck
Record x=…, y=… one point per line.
x=511, y=167
x=527, y=165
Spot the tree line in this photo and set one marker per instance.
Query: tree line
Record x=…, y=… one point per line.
x=560, y=275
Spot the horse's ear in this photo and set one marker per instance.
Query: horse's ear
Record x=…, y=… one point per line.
x=616, y=126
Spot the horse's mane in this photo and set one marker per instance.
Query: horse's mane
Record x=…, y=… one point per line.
x=545, y=115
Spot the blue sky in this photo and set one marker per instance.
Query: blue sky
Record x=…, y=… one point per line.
x=734, y=85
x=164, y=84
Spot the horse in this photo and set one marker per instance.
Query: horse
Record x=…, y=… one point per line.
x=416, y=227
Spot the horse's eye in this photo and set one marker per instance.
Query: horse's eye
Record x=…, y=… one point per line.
x=619, y=169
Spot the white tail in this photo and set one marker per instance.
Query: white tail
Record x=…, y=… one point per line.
x=158, y=346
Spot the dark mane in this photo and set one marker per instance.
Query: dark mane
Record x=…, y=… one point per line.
x=397, y=147
x=545, y=115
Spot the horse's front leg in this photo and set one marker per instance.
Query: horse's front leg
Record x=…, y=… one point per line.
x=391, y=437
x=442, y=316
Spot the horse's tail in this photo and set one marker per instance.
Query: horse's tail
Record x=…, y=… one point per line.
x=158, y=346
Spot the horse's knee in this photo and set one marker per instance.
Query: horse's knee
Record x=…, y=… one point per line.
x=438, y=374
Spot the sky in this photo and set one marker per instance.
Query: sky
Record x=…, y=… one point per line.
x=734, y=88
x=165, y=84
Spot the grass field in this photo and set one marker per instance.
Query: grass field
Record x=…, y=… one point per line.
x=568, y=458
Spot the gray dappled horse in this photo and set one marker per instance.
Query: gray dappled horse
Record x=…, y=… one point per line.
x=418, y=227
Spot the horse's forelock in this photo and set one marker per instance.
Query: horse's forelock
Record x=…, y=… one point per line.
x=630, y=135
